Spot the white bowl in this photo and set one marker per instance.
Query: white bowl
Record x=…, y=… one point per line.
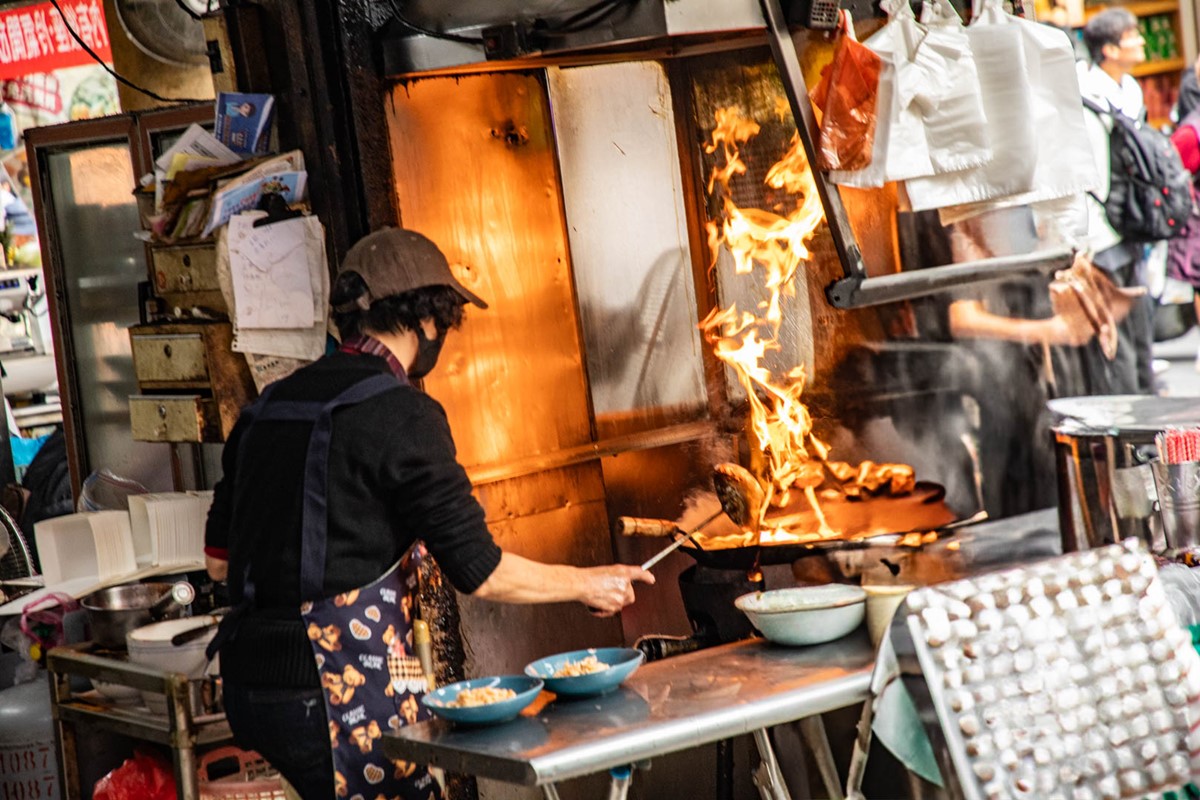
x=151, y=646
x=805, y=614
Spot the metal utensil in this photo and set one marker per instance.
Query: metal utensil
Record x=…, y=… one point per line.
x=741, y=499
x=179, y=595
x=192, y=634
x=675, y=545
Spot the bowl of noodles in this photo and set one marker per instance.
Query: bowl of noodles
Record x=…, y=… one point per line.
x=483, y=701
x=586, y=673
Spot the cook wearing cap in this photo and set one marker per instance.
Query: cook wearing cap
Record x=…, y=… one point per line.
x=330, y=479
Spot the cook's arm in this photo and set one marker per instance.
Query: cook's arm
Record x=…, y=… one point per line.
x=218, y=568
x=970, y=320
x=605, y=589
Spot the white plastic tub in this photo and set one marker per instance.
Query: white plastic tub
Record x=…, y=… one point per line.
x=151, y=646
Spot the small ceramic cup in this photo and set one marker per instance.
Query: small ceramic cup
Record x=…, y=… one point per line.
x=882, y=602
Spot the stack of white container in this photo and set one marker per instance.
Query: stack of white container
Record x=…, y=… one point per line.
x=161, y=533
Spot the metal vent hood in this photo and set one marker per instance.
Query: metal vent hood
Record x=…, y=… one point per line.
x=510, y=30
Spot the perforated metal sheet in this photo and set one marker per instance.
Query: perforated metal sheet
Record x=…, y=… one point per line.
x=1069, y=679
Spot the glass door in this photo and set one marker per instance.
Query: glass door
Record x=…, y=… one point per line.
x=83, y=176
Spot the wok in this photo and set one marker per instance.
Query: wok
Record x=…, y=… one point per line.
x=925, y=500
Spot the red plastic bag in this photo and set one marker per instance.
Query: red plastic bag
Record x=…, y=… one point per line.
x=146, y=776
x=847, y=96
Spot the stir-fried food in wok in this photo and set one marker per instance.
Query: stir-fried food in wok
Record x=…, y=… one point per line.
x=584, y=666
x=481, y=696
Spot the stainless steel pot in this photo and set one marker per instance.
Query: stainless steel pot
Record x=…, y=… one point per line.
x=1103, y=449
x=116, y=611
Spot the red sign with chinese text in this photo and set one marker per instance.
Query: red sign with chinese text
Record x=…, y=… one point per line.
x=35, y=38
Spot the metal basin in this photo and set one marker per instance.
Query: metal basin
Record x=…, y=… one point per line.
x=1103, y=449
x=116, y=611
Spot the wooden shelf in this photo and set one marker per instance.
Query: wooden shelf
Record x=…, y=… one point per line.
x=1158, y=67
x=1144, y=8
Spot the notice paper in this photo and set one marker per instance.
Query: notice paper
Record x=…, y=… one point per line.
x=272, y=287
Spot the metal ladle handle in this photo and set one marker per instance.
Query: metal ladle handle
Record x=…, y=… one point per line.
x=180, y=595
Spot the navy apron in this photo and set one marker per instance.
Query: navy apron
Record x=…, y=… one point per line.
x=362, y=639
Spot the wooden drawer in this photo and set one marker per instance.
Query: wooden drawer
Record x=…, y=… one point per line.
x=186, y=359
x=174, y=418
x=186, y=276
x=167, y=358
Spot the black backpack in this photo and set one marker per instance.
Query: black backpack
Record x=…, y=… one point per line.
x=1150, y=195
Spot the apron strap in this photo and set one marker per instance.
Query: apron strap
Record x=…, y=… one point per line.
x=314, y=515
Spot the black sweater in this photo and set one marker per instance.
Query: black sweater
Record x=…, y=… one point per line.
x=393, y=479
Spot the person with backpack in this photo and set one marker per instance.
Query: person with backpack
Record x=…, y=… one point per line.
x=1112, y=95
x=1183, y=252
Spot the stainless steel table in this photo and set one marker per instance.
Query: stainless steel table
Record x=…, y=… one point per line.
x=666, y=706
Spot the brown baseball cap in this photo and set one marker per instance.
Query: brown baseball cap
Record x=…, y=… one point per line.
x=395, y=260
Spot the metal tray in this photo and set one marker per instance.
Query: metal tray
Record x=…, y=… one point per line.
x=1069, y=678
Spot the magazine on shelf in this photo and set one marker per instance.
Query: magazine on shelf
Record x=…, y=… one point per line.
x=241, y=196
x=244, y=121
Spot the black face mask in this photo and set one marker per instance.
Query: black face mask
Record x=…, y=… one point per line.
x=427, y=354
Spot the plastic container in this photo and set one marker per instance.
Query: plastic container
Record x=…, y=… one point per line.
x=252, y=778
x=151, y=646
x=105, y=491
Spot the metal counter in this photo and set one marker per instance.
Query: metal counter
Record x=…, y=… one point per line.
x=664, y=707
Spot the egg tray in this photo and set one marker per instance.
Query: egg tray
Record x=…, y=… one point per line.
x=1067, y=679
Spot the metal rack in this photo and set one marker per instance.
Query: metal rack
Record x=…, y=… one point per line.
x=856, y=288
x=187, y=725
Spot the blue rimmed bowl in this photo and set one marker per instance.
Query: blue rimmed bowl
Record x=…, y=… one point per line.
x=439, y=700
x=622, y=661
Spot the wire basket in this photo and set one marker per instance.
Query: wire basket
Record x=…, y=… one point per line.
x=254, y=779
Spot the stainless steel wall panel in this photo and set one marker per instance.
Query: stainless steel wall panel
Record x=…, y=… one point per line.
x=626, y=221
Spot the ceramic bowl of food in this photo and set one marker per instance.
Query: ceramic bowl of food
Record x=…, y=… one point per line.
x=586, y=673
x=483, y=701
x=805, y=614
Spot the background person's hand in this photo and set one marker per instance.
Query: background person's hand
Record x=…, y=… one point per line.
x=606, y=590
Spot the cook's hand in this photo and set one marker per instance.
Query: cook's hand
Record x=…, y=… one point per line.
x=606, y=590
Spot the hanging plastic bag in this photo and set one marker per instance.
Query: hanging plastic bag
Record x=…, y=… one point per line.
x=847, y=96
x=964, y=148
x=1031, y=94
x=144, y=777
x=899, y=149
x=955, y=127
x=929, y=119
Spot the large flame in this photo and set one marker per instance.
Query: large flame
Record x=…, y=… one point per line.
x=777, y=243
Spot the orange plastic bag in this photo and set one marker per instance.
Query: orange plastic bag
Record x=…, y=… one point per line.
x=846, y=96
x=146, y=776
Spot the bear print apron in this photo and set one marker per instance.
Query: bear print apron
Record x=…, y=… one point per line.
x=362, y=640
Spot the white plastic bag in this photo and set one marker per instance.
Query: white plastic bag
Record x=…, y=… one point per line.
x=1003, y=82
x=930, y=118
x=1053, y=112
x=901, y=149
x=955, y=126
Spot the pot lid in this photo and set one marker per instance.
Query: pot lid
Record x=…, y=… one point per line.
x=1123, y=413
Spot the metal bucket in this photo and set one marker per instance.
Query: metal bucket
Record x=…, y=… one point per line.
x=1103, y=450
x=1178, y=487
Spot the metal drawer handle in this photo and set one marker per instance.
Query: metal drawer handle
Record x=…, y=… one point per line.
x=162, y=411
x=187, y=259
x=167, y=350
